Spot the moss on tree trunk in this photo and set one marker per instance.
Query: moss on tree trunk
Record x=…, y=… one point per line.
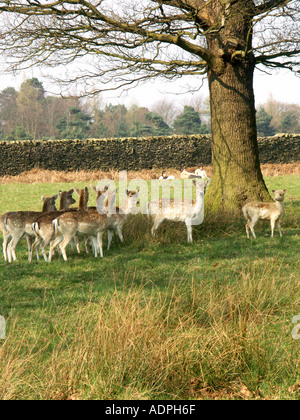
x=237, y=177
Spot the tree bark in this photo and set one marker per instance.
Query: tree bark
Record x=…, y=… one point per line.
x=237, y=177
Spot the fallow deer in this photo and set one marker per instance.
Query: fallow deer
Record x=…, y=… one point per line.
x=89, y=223
x=92, y=223
x=19, y=224
x=118, y=218
x=43, y=226
x=268, y=211
x=191, y=213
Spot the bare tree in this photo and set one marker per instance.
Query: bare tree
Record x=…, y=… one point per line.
x=122, y=43
x=167, y=109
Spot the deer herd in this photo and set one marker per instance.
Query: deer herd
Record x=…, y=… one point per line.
x=60, y=227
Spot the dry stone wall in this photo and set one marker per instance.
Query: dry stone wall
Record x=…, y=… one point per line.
x=130, y=153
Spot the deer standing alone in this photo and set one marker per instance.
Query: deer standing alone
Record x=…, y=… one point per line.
x=190, y=213
x=269, y=211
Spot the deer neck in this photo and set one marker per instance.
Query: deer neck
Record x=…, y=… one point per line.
x=126, y=206
x=47, y=206
x=63, y=205
x=279, y=205
x=199, y=199
x=100, y=205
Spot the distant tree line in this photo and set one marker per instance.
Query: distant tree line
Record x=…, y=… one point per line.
x=31, y=114
x=277, y=117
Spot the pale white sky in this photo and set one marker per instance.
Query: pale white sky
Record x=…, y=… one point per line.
x=284, y=87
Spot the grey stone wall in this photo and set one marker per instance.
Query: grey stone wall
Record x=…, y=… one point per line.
x=130, y=153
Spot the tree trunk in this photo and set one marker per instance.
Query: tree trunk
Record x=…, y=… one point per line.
x=237, y=177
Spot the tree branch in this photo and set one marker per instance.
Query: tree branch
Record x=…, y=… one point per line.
x=270, y=5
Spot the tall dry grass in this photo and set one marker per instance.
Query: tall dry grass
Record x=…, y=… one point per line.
x=45, y=176
x=219, y=341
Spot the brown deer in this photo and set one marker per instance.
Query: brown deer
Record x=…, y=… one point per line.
x=92, y=223
x=81, y=223
x=43, y=226
x=19, y=224
x=268, y=211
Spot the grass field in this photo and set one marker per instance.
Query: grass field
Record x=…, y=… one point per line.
x=155, y=318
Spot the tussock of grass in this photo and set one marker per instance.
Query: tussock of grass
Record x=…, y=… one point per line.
x=187, y=342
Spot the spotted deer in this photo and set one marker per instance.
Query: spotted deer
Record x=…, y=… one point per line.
x=88, y=223
x=255, y=211
x=43, y=226
x=19, y=224
x=92, y=223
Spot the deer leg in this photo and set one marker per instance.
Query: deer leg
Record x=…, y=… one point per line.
x=6, y=237
x=156, y=224
x=100, y=244
x=34, y=247
x=247, y=230
x=119, y=231
x=272, y=227
x=109, y=238
x=189, y=230
x=94, y=241
x=53, y=245
x=29, y=247
x=86, y=244
x=251, y=225
x=279, y=228
x=43, y=245
x=76, y=240
x=11, y=248
x=63, y=245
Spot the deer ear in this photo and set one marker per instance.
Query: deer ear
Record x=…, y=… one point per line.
x=93, y=188
x=60, y=193
x=273, y=191
x=76, y=190
x=43, y=198
x=71, y=191
x=55, y=197
x=284, y=190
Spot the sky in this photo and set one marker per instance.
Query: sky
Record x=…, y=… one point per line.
x=282, y=87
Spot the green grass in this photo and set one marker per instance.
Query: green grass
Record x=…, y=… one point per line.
x=155, y=318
